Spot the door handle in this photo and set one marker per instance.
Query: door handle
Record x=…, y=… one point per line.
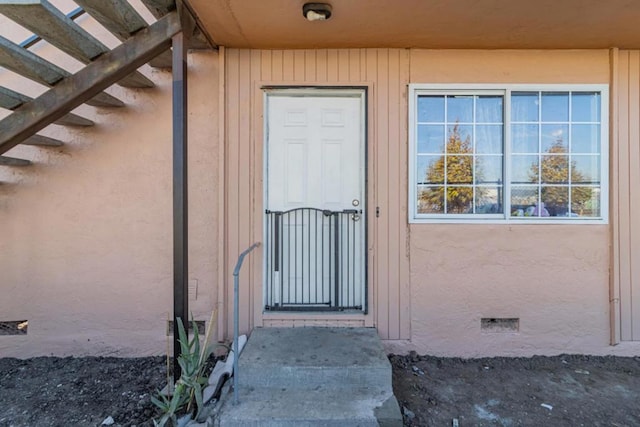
x=355, y=217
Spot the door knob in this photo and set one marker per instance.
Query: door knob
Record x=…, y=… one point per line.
x=355, y=217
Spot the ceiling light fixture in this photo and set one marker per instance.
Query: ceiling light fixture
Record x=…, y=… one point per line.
x=316, y=11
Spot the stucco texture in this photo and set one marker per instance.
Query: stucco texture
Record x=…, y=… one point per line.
x=87, y=230
x=554, y=279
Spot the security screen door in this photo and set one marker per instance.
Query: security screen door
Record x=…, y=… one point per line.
x=315, y=208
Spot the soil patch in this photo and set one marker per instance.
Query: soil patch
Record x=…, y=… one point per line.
x=50, y=391
x=538, y=391
x=575, y=391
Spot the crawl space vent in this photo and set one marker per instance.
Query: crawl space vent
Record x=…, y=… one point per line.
x=499, y=324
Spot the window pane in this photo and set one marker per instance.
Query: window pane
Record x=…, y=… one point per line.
x=524, y=169
x=488, y=200
x=459, y=139
x=585, y=138
x=555, y=169
x=430, y=138
x=524, y=107
x=459, y=109
x=431, y=109
x=585, y=169
x=459, y=169
x=430, y=170
x=555, y=107
x=430, y=200
x=489, y=109
x=489, y=139
x=523, y=198
x=524, y=138
x=489, y=169
x=555, y=200
x=459, y=200
x=585, y=107
x=555, y=138
x=585, y=201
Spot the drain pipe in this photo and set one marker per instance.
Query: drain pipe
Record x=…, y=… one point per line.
x=236, y=318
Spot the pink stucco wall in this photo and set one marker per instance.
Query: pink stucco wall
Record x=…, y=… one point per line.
x=87, y=230
x=553, y=278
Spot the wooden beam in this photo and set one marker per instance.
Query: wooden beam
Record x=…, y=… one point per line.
x=43, y=141
x=86, y=83
x=12, y=100
x=42, y=18
x=160, y=8
x=27, y=64
x=122, y=20
x=180, y=193
x=117, y=16
x=162, y=61
x=12, y=161
x=197, y=38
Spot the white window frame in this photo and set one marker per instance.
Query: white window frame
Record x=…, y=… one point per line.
x=416, y=89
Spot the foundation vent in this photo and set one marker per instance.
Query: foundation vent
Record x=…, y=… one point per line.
x=14, y=327
x=199, y=325
x=499, y=324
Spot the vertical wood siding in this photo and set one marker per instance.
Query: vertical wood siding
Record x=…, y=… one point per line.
x=387, y=73
x=626, y=192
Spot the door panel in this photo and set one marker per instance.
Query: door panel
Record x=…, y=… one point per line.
x=315, y=193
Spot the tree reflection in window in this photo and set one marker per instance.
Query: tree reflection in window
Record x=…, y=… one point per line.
x=457, y=165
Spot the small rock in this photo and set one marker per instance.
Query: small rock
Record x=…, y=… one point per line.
x=408, y=413
x=413, y=356
x=108, y=421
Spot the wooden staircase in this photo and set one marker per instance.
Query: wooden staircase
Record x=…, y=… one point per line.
x=141, y=43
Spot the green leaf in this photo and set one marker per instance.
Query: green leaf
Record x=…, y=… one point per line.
x=198, y=396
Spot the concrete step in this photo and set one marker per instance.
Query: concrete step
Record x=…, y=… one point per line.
x=326, y=407
x=307, y=358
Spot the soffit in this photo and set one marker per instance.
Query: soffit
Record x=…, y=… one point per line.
x=492, y=24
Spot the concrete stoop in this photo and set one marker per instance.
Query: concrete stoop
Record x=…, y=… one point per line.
x=313, y=377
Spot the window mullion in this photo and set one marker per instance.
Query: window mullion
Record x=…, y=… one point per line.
x=539, y=183
x=569, y=142
x=506, y=161
x=473, y=155
x=446, y=153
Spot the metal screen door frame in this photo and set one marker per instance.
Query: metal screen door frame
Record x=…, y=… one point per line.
x=343, y=281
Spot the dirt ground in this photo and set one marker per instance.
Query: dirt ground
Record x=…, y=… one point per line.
x=576, y=391
x=538, y=391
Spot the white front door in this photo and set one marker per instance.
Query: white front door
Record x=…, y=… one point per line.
x=315, y=207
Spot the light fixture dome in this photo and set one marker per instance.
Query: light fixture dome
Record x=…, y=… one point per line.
x=316, y=11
